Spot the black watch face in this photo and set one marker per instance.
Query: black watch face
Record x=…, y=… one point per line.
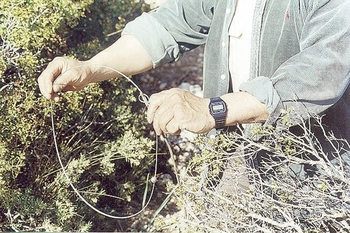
x=217, y=107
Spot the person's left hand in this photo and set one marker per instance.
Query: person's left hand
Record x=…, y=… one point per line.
x=174, y=110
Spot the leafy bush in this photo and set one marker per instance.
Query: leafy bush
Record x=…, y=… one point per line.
x=101, y=140
x=100, y=131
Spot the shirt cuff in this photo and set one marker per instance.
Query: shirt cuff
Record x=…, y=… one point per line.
x=263, y=89
x=156, y=40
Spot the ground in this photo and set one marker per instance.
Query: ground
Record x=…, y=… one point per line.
x=187, y=70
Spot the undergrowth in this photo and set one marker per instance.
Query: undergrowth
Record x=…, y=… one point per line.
x=284, y=182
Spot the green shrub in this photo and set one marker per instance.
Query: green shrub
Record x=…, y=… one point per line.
x=100, y=131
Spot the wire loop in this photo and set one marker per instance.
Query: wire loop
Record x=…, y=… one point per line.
x=143, y=98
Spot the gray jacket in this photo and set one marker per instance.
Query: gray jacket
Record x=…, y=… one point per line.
x=300, y=51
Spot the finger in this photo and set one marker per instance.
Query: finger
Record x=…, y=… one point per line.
x=63, y=81
x=45, y=84
x=47, y=77
x=156, y=128
x=155, y=102
x=159, y=99
x=173, y=127
x=161, y=119
x=62, y=84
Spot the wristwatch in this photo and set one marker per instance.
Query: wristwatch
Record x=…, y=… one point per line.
x=218, y=110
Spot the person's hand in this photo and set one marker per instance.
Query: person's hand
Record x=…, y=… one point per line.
x=174, y=110
x=63, y=74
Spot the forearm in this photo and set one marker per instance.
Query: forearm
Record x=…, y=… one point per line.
x=242, y=108
x=63, y=74
x=174, y=110
x=126, y=55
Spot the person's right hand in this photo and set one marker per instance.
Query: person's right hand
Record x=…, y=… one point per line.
x=63, y=74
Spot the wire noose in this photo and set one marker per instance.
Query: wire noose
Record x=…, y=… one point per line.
x=143, y=98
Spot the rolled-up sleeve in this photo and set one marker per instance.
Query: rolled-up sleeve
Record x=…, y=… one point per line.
x=262, y=88
x=171, y=30
x=159, y=44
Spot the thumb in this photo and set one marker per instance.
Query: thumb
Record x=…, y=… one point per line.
x=69, y=80
x=59, y=84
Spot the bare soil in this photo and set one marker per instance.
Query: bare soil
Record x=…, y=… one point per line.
x=187, y=70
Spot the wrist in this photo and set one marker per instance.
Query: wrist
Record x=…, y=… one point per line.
x=98, y=71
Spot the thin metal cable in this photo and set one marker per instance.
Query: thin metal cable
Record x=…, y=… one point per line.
x=142, y=98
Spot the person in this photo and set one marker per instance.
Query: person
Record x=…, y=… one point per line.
x=298, y=60
x=261, y=58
